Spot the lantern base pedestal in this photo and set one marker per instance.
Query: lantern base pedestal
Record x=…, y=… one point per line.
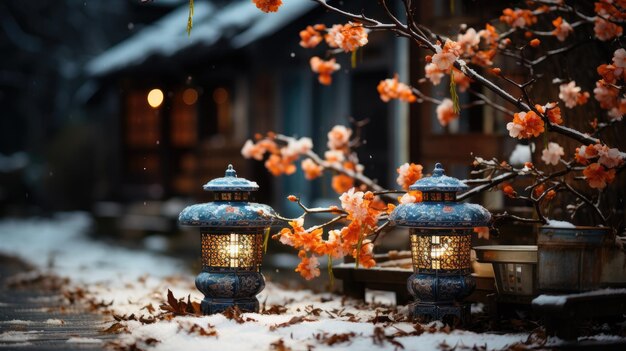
x=213, y=306
x=223, y=289
x=457, y=314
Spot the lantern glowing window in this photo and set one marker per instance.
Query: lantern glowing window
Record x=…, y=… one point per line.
x=449, y=251
x=232, y=251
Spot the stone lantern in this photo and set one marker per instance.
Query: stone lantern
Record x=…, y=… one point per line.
x=232, y=230
x=441, y=231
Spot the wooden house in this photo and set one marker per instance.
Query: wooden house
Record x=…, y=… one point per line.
x=241, y=72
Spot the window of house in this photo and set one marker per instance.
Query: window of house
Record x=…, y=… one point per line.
x=160, y=137
x=183, y=136
x=183, y=118
x=142, y=136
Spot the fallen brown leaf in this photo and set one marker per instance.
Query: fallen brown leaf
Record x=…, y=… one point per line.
x=379, y=338
x=116, y=328
x=292, y=321
x=279, y=345
x=234, y=313
x=179, y=307
x=274, y=309
x=332, y=339
x=197, y=329
x=148, y=308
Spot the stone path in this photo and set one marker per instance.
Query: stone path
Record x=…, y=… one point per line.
x=35, y=315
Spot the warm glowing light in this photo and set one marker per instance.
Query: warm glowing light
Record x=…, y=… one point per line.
x=233, y=250
x=190, y=96
x=220, y=96
x=437, y=252
x=155, y=98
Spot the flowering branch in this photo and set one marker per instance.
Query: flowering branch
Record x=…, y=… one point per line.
x=337, y=167
x=466, y=61
x=461, y=65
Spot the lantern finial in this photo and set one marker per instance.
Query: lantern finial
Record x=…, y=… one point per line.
x=438, y=171
x=230, y=171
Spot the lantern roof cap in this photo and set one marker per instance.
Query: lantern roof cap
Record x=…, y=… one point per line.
x=230, y=182
x=234, y=214
x=440, y=215
x=438, y=181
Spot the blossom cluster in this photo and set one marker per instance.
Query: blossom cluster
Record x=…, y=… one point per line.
x=572, y=95
x=283, y=155
x=268, y=5
x=324, y=68
x=607, y=92
x=608, y=11
x=518, y=18
x=363, y=210
x=562, y=28
x=601, y=172
x=525, y=125
x=392, y=89
x=408, y=174
x=478, y=47
x=346, y=37
x=340, y=154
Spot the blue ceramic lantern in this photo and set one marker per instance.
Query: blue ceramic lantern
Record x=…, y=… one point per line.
x=232, y=230
x=441, y=231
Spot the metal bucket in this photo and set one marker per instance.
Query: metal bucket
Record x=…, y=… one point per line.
x=514, y=267
x=570, y=259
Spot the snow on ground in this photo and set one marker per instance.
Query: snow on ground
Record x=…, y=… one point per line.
x=78, y=340
x=54, y=321
x=19, y=336
x=129, y=282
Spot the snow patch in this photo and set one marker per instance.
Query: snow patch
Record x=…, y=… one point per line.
x=477, y=308
x=559, y=300
x=601, y=337
x=17, y=321
x=520, y=155
x=554, y=300
x=62, y=241
x=381, y=297
x=17, y=336
x=552, y=223
x=77, y=340
x=54, y=322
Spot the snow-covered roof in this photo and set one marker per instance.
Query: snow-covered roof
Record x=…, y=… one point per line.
x=239, y=22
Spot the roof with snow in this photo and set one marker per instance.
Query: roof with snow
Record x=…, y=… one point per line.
x=238, y=22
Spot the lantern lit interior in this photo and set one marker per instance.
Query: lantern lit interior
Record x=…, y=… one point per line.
x=238, y=251
x=445, y=250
